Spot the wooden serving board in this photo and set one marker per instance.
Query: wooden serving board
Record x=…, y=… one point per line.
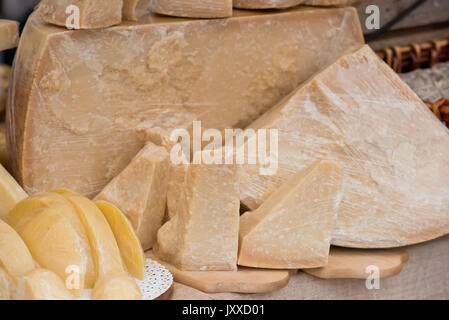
x=347, y=263
x=244, y=280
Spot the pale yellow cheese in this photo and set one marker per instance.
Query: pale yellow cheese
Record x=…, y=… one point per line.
x=292, y=229
x=266, y=4
x=359, y=113
x=127, y=241
x=116, y=288
x=5, y=72
x=41, y=284
x=140, y=192
x=203, y=235
x=9, y=34
x=325, y=3
x=6, y=284
x=92, y=13
x=3, y=151
x=193, y=8
x=79, y=97
x=27, y=209
x=11, y=193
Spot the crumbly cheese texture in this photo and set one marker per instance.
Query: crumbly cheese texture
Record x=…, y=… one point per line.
x=359, y=113
x=11, y=193
x=293, y=228
x=266, y=4
x=193, y=8
x=92, y=14
x=203, y=235
x=9, y=34
x=5, y=72
x=79, y=98
x=140, y=191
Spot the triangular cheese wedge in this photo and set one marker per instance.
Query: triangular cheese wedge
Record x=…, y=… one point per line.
x=395, y=153
x=293, y=228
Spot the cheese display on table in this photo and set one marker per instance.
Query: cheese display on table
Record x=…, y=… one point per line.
x=140, y=192
x=193, y=8
x=360, y=113
x=266, y=4
x=5, y=72
x=9, y=34
x=203, y=235
x=292, y=229
x=91, y=14
x=74, y=115
x=10, y=193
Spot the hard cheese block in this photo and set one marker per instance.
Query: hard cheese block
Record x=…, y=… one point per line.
x=10, y=193
x=395, y=152
x=203, y=235
x=5, y=72
x=193, y=8
x=293, y=228
x=140, y=192
x=9, y=34
x=80, y=96
x=266, y=4
x=91, y=13
x=133, y=9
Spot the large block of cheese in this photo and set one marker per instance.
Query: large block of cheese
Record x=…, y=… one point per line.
x=395, y=153
x=140, y=192
x=193, y=8
x=80, y=96
x=92, y=13
x=266, y=4
x=293, y=228
x=203, y=235
x=9, y=34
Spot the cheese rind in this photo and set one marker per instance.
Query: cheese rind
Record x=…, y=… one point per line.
x=11, y=193
x=292, y=229
x=9, y=34
x=333, y=3
x=3, y=151
x=203, y=235
x=5, y=72
x=359, y=113
x=92, y=13
x=140, y=192
x=193, y=8
x=266, y=4
x=73, y=117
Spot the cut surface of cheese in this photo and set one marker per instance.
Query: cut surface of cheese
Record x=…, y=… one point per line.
x=27, y=209
x=326, y=3
x=133, y=9
x=9, y=34
x=11, y=193
x=5, y=72
x=140, y=192
x=41, y=284
x=127, y=241
x=3, y=151
x=105, y=251
x=6, y=284
x=203, y=235
x=193, y=8
x=266, y=4
x=15, y=258
x=175, y=187
x=55, y=245
x=73, y=117
x=359, y=113
x=91, y=14
x=116, y=288
x=292, y=229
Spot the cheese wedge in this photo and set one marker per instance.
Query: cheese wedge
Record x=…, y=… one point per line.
x=5, y=72
x=193, y=8
x=266, y=4
x=10, y=193
x=333, y=3
x=41, y=284
x=9, y=34
x=55, y=245
x=76, y=115
x=91, y=14
x=117, y=288
x=140, y=192
x=133, y=9
x=6, y=284
x=105, y=252
x=293, y=228
x=127, y=241
x=3, y=151
x=360, y=113
x=203, y=235
x=27, y=209
x=15, y=258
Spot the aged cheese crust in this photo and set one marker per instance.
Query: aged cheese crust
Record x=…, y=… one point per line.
x=293, y=228
x=5, y=72
x=325, y=3
x=78, y=96
x=92, y=13
x=266, y=4
x=359, y=113
x=193, y=8
x=9, y=34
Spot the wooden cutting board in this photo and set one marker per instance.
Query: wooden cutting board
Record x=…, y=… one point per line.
x=353, y=263
x=244, y=280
